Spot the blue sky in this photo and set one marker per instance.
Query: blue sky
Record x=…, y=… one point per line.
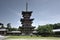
x=44, y=11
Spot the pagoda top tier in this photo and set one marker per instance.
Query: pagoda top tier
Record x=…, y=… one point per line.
x=26, y=12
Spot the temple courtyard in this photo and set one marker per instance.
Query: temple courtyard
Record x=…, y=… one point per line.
x=28, y=38
x=31, y=38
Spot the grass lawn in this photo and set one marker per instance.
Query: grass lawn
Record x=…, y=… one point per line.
x=31, y=38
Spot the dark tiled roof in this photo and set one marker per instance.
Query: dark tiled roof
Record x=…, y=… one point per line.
x=14, y=32
x=3, y=29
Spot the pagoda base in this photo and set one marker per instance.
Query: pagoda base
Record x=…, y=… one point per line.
x=23, y=34
x=27, y=30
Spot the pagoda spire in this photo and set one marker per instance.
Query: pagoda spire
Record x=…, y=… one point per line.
x=26, y=5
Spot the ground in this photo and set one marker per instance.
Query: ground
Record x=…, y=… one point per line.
x=31, y=38
x=2, y=37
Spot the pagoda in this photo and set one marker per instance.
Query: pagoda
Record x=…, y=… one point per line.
x=26, y=21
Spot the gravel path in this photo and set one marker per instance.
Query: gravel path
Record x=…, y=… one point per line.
x=2, y=37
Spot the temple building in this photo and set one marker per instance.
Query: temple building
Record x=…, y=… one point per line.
x=26, y=21
x=3, y=30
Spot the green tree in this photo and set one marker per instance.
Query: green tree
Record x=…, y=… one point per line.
x=56, y=26
x=14, y=29
x=19, y=28
x=9, y=27
x=45, y=29
x=2, y=26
